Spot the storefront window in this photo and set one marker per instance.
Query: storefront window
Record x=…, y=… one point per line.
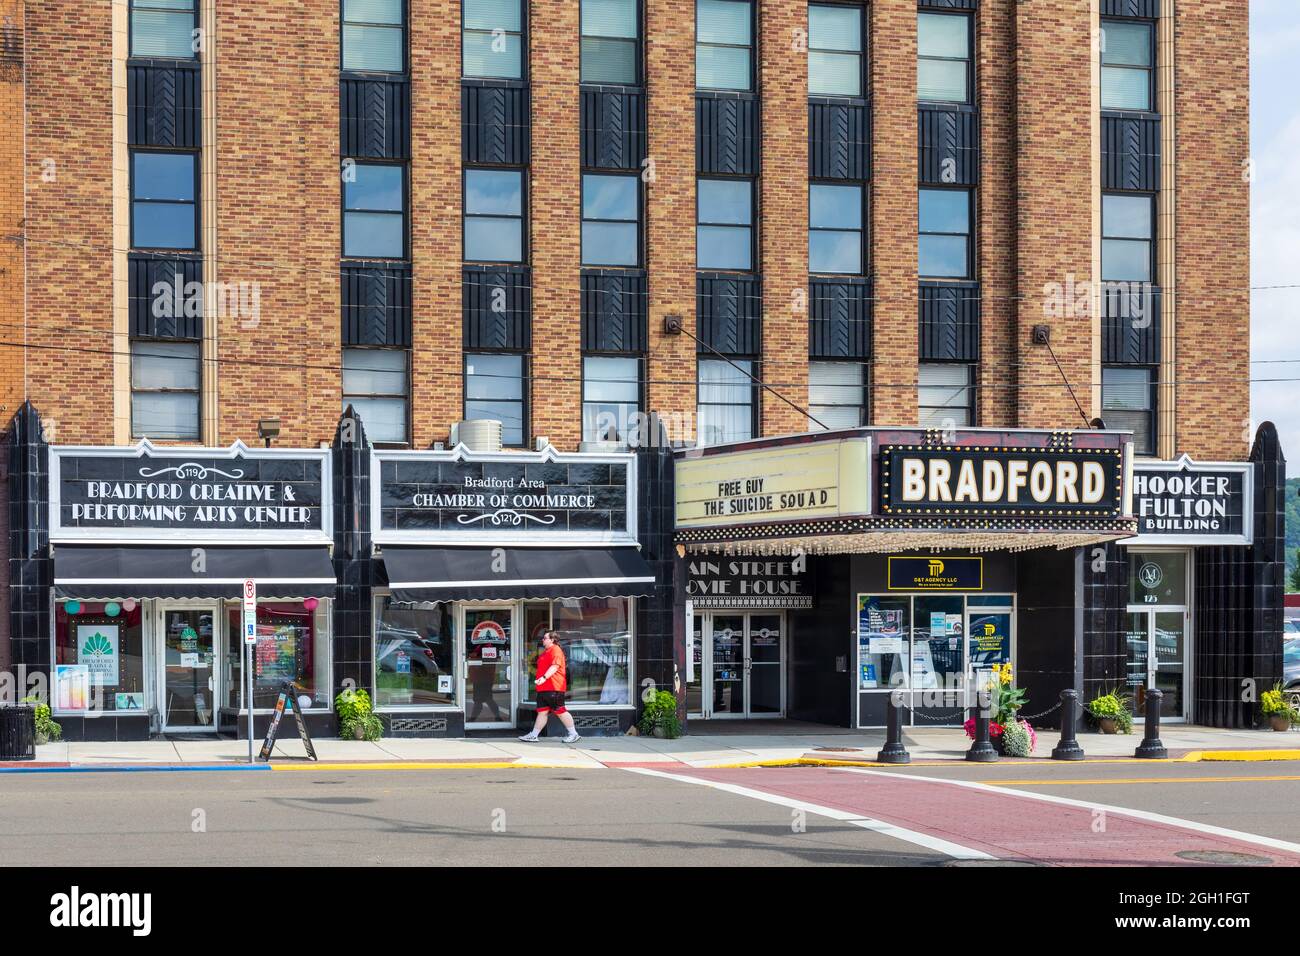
x=1157, y=577
x=594, y=634
x=884, y=648
x=108, y=639
x=292, y=644
x=937, y=643
x=415, y=654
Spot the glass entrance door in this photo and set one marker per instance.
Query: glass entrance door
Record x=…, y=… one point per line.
x=189, y=675
x=744, y=665
x=489, y=651
x=1157, y=658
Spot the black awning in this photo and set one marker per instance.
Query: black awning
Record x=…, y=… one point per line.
x=472, y=574
x=169, y=572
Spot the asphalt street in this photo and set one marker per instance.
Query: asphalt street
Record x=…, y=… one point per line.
x=681, y=816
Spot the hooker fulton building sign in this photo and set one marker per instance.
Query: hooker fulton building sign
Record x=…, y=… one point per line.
x=217, y=495
x=1188, y=502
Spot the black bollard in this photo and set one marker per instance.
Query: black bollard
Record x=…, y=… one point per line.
x=894, y=751
x=1151, y=746
x=1068, y=748
x=981, y=751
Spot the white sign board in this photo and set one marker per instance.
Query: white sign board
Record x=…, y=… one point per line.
x=250, y=611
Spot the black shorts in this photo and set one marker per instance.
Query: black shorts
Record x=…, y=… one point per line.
x=550, y=700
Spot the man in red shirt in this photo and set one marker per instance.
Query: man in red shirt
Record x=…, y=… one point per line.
x=551, y=684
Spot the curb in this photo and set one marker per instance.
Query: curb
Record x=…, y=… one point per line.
x=1242, y=755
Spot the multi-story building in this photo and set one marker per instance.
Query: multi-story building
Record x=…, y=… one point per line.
x=619, y=228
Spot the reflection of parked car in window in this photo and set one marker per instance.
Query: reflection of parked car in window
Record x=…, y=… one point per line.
x=1291, y=659
x=393, y=641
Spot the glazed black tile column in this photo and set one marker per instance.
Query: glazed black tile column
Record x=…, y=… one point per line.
x=1239, y=597
x=30, y=564
x=1105, y=600
x=353, y=565
x=660, y=642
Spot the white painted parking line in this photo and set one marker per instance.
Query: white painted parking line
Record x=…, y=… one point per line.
x=946, y=847
x=1147, y=815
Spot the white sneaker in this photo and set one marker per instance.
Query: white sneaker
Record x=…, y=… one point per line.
x=531, y=738
x=572, y=738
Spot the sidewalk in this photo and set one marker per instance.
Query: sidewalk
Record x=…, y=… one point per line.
x=729, y=750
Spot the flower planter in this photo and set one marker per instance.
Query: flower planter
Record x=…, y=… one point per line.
x=1109, y=725
x=1279, y=722
x=660, y=732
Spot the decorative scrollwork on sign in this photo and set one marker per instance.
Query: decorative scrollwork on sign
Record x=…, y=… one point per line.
x=192, y=471
x=506, y=516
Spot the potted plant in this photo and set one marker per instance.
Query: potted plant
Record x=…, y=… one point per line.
x=659, y=716
x=357, y=719
x=47, y=728
x=1111, y=712
x=1009, y=734
x=1274, y=705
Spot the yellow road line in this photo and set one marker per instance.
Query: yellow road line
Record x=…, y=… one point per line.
x=1102, y=781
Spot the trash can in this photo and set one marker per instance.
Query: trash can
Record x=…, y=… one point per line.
x=17, y=732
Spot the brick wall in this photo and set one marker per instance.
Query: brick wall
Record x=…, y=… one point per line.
x=995, y=224
x=670, y=84
x=783, y=202
x=69, y=217
x=278, y=200
x=893, y=211
x=436, y=380
x=1213, y=221
x=556, y=210
x=11, y=207
x=1054, y=190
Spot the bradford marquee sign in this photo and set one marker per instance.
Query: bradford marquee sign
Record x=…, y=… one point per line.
x=1001, y=481
x=1187, y=502
x=465, y=497
x=170, y=495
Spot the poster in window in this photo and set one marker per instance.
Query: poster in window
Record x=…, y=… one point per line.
x=97, y=649
x=990, y=640
x=71, y=687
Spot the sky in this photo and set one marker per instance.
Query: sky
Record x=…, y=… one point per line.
x=1275, y=218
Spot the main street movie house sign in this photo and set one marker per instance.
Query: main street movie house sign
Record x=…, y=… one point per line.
x=1004, y=481
x=1187, y=502
x=464, y=497
x=748, y=582
x=183, y=495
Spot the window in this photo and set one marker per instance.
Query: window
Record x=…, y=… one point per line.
x=609, y=41
x=943, y=58
x=373, y=38
x=494, y=388
x=494, y=215
x=946, y=395
x=165, y=390
x=837, y=394
x=944, y=249
x=834, y=50
x=415, y=654
x=375, y=383
x=164, y=28
x=723, y=45
x=164, y=214
x=611, y=231
x=596, y=637
x=725, y=401
x=611, y=397
x=118, y=681
x=492, y=39
x=374, y=212
x=724, y=235
x=292, y=644
x=835, y=229
x=1127, y=54
x=1128, y=401
x=1127, y=238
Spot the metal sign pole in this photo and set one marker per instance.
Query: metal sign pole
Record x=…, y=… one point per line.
x=250, y=639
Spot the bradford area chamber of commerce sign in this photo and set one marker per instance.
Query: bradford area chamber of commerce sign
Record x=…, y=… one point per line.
x=464, y=497
x=1187, y=502
x=1001, y=481
x=790, y=482
x=145, y=493
x=748, y=582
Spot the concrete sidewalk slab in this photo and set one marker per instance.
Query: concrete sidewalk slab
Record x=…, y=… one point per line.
x=702, y=751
